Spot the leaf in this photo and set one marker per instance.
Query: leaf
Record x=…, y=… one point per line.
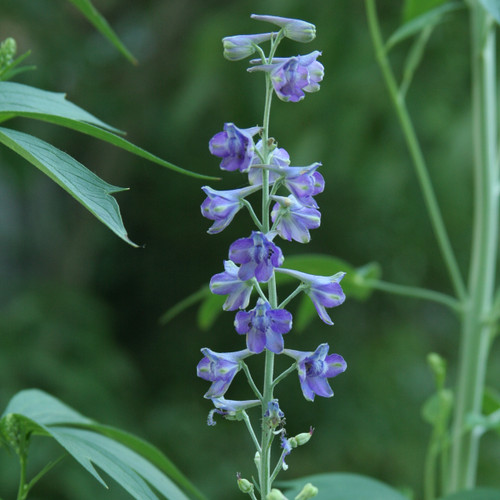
x=100, y=23
x=209, y=310
x=475, y=494
x=86, y=187
x=493, y=7
x=120, y=455
x=342, y=486
x=428, y=19
x=17, y=99
x=436, y=410
x=415, y=8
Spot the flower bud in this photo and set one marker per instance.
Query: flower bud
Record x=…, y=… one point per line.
x=256, y=460
x=303, y=437
x=294, y=29
x=308, y=491
x=244, y=484
x=242, y=46
x=275, y=494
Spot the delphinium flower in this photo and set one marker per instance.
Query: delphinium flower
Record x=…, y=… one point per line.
x=287, y=207
x=222, y=206
x=257, y=255
x=324, y=291
x=293, y=220
x=315, y=368
x=228, y=283
x=220, y=369
x=235, y=146
x=264, y=327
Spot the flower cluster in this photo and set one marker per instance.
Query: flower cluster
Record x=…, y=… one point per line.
x=289, y=211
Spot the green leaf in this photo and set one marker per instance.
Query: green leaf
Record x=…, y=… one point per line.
x=342, y=486
x=210, y=309
x=428, y=19
x=91, y=191
x=493, y=7
x=17, y=99
x=100, y=23
x=436, y=410
x=415, y=8
x=128, y=460
x=476, y=494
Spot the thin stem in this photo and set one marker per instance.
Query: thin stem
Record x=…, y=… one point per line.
x=292, y=295
x=259, y=289
x=279, y=466
x=252, y=213
x=415, y=292
x=416, y=154
x=284, y=374
x=23, y=489
x=246, y=419
x=251, y=383
x=476, y=330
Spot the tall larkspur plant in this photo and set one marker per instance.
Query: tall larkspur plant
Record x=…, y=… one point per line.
x=288, y=210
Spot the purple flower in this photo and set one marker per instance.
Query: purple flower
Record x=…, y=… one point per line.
x=228, y=283
x=264, y=327
x=294, y=29
x=220, y=369
x=294, y=219
x=229, y=408
x=235, y=146
x=242, y=46
x=279, y=157
x=314, y=370
x=324, y=291
x=222, y=206
x=257, y=255
x=302, y=182
x=293, y=76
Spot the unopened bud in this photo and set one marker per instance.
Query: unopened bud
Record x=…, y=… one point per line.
x=242, y=46
x=308, y=491
x=275, y=494
x=256, y=460
x=294, y=29
x=303, y=437
x=244, y=484
x=8, y=49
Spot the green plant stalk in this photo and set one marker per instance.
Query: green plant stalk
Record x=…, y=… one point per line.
x=476, y=331
x=267, y=393
x=416, y=153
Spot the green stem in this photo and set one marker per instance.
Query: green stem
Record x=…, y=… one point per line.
x=284, y=374
x=416, y=154
x=251, y=383
x=415, y=292
x=23, y=488
x=476, y=331
x=246, y=419
x=292, y=295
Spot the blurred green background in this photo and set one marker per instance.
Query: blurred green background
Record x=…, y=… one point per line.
x=79, y=308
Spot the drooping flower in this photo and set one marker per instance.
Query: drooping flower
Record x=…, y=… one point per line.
x=228, y=283
x=235, y=146
x=287, y=449
x=230, y=409
x=242, y=46
x=264, y=327
x=294, y=219
x=222, y=206
x=292, y=76
x=324, y=291
x=315, y=368
x=257, y=255
x=294, y=29
x=220, y=369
